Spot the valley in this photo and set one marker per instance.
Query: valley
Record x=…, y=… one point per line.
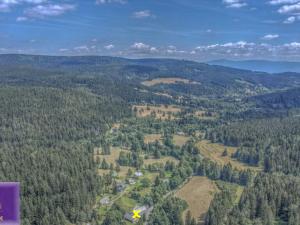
x=199, y=149
x=144, y=153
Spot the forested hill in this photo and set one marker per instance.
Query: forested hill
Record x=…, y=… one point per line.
x=283, y=99
x=55, y=110
x=87, y=70
x=46, y=143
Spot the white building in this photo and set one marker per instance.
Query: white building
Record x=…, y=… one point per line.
x=138, y=174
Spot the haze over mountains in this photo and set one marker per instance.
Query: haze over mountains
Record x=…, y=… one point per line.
x=260, y=65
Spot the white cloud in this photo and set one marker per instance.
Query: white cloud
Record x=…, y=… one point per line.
x=172, y=47
x=269, y=37
x=281, y=2
x=290, y=20
x=5, y=5
x=293, y=45
x=41, y=11
x=109, y=47
x=21, y=19
x=101, y=2
x=246, y=50
x=288, y=7
x=141, y=48
x=293, y=9
x=82, y=48
x=230, y=50
x=235, y=3
x=63, y=50
x=143, y=14
x=4, y=8
x=34, y=1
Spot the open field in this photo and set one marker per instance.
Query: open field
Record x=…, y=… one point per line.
x=161, y=112
x=170, y=80
x=180, y=140
x=162, y=160
x=112, y=158
x=198, y=193
x=150, y=138
x=214, y=152
x=239, y=192
x=200, y=114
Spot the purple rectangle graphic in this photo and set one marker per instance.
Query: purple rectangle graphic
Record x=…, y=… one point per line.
x=9, y=203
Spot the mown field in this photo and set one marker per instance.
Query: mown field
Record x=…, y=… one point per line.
x=198, y=193
x=162, y=112
x=170, y=80
x=214, y=151
x=180, y=140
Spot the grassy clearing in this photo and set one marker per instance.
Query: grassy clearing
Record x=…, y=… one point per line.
x=235, y=189
x=180, y=140
x=170, y=80
x=150, y=138
x=239, y=192
x=214, y=152
x=126, y=203
x=162, y=160
x=162, y=112
x=204, y=116
x=112, y=158
x=198, y=193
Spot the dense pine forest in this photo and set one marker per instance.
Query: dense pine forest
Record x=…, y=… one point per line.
x=76, y=131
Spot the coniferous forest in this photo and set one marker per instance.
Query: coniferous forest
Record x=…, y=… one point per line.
x=77, y=130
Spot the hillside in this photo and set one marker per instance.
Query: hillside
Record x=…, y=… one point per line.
x=91, y=138
x=283, y=99
x=126, y=76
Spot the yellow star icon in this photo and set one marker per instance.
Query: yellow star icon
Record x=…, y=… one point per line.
x=136, y=214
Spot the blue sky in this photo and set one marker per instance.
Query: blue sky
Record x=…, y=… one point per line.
x=192, y=29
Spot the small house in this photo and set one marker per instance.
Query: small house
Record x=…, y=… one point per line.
x=138, y=174
x=180, y=133
x=105, y=201
x=143, y=210
x=129, y=217
x=121, y=187
x=131, y=181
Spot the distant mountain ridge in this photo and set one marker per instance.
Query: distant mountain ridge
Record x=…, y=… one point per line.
x=105, y=75
x=260, y=65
